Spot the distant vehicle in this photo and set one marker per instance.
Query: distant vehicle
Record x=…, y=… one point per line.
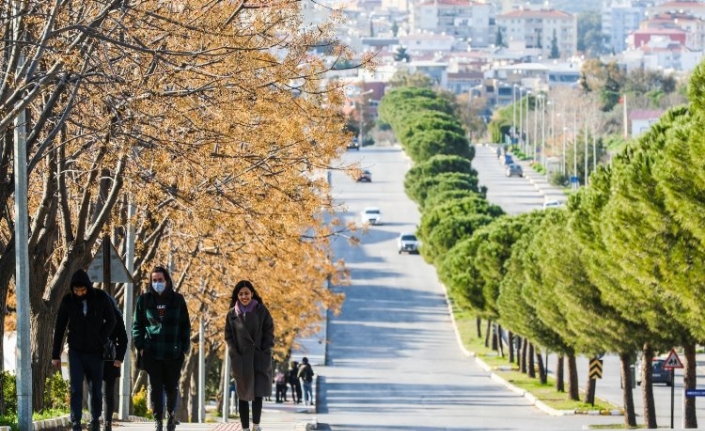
x=658, y=373
x=552, y=204
x=364, y=177
x=407, y=243
x=371, y=215
x=354, y=145
x=514, y=170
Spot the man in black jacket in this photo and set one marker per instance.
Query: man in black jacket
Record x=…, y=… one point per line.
x=90, y=318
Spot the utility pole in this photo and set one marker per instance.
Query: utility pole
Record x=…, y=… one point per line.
x=126, y=375
x=201, y=372
x=24, y=347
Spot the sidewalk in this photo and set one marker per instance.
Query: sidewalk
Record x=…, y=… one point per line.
x=540, y=182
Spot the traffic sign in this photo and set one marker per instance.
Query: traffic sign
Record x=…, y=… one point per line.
x=595, y=368
x=118, y=272
x=672, y=361
x=694, y=393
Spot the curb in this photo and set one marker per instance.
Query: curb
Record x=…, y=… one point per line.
x=497, y=378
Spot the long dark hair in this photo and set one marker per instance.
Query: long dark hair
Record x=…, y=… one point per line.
x=165, y=273
x=238, y=287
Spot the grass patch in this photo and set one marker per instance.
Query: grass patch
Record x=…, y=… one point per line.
x=510, y=372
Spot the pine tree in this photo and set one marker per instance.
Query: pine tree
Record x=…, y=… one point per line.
x=554, y=46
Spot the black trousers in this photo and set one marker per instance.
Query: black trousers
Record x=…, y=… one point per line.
x=88, y=365
x=111, y=375
x=164, y=377
x=245, y=412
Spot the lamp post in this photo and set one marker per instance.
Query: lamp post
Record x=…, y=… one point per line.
x=565, y=133
x=514, y=112
x=521, y=136
x=543, y=133
x=527, y=144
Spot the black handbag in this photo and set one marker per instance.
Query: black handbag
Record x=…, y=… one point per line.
x=140, y=361
x=109, y=350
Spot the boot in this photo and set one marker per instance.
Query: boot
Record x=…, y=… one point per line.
x=108, y=426
x=170, y=422
x=158, y=425
x=95, y=425
x=75, y=426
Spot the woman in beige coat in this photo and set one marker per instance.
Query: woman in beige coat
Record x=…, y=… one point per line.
x=249, y=332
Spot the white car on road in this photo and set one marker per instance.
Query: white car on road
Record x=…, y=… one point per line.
x=371, y=215
x=407, y=243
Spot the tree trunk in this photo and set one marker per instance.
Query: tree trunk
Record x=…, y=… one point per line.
x=478, y=327
x=543, y=375
x=530, y=365
x=495, y=336
x=647, y=389
x=560, y=380
x=510, y=342
x=500, y=344
x=573, y=390
x=690, y=419
x=488, y=332
x=188, y=388
x=524, y=348
x=41, y=342
x=629, y=416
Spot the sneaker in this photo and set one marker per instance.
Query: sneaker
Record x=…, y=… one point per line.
x=256, y=427
x=108, y=426
x=76, y=426
x=171, y=423
x=95, y=425
x=158, y=425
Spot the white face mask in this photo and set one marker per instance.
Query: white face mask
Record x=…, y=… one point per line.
x=159, y=287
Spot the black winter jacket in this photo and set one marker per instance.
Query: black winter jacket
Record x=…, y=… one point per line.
x=86, y=333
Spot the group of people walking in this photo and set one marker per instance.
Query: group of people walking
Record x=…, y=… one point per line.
x=300, y=378
x=161, y=333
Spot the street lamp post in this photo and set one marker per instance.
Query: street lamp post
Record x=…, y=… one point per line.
x=528, y=137
x=514, y=113
x=521, y=131
x=543, y=135
x=563, y=169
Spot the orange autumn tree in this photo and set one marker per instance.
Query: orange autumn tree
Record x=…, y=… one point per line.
x=215, y=119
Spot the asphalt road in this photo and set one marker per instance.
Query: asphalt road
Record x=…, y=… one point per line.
x=393, y=361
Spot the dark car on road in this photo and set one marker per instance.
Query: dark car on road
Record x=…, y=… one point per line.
x=364, y=177
x=354, y=145
x=514, y=170
x=658, y=373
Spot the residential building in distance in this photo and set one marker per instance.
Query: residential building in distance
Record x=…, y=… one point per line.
x=466, y=20
x=618, y=20
x=642, y=120
x=694, y=8
x=535, y=29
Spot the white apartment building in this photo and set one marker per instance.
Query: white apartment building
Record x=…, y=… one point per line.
x=464, y=19
x=619, y=20
x=535, y=29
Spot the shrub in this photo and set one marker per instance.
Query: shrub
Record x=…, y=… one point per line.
x=57, y=393
x=139, y=404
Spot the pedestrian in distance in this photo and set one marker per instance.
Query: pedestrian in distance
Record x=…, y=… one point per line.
x=161, y=331
x=90, y=318
x=249, y=332
x=280, y=385
x=306, y=376
x=293, y=379
x=111, y=371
